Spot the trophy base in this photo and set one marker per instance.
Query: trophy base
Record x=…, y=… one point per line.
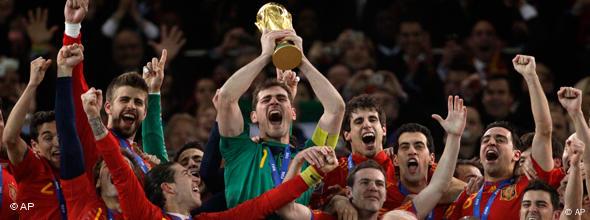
x=286, y=56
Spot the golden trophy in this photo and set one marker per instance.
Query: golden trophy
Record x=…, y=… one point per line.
x=273, y=17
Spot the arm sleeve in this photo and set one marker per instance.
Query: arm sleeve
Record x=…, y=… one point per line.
x=264, y=204
x=85, y=134
x=216, y=203
x=542, y=174
x=152, y=133
x=72, y=161
x=133, y=201
x=211, y=163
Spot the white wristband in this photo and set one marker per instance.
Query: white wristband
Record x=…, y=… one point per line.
x=72, y=30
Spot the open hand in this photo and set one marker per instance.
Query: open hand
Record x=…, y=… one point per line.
x=36, y=26
x=454, y=124
x=171, y=40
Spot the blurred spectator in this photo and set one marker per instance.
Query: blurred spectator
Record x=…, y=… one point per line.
x=339, y=75
x=470, y=139
x=356, y=49
x=205, y=118
x=202, y=95
x=467, y=170
x=560, y=122
x=181, y=128
x=130, y=8
x=497, y=99
x=485, y=48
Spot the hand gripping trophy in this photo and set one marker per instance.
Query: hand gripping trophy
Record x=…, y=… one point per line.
x=273, y=16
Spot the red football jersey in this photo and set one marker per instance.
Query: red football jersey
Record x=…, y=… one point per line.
x=338, y=177
x=555, y=177
x=506, y=205
x=82, y=200
x=8, y=196
x=35, y=176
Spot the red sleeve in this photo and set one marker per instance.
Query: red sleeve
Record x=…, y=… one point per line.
x=79, y=194
x=454, y=210
x=408, y=207
x=265, y=204
x=542, y=175
x=8, y=196
x=29, y=163
x=555, y=177
x=133, y=201
x=85, y=134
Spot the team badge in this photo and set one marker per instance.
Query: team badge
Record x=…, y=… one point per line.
x=12, y=191
x=508, y=193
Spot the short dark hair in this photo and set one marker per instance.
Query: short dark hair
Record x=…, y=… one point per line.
x=132, y=79
x=542, y=186
x=40, y=118
x=414, y=127
x=162, y=173
x=517, y=144
x=190, y=145
x=556, y=145
x=268, y=84
x=362, y=102
x=135, y=167
x=364, y=165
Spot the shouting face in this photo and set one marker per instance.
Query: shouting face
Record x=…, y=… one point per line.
x=273, y=113
x=366, y=132
x=46, y=143
x=126, y=110
x=497, y=152
x=413, y=157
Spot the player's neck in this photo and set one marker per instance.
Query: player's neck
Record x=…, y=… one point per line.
x=129, y=139
x=412, y=186
x=176, y=207
x=497, y=178
x=112, y=203
x=367, y=215
x=283, y=140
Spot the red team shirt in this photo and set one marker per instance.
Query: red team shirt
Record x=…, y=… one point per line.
x=8, y=196
x=506, y=204
x=82, y=200
x=394, y=197
x=35, y=176
x=135, y=205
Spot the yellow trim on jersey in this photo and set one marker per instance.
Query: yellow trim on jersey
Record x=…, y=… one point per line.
x=265, y=153
x=98, y=214
x=46, y=190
